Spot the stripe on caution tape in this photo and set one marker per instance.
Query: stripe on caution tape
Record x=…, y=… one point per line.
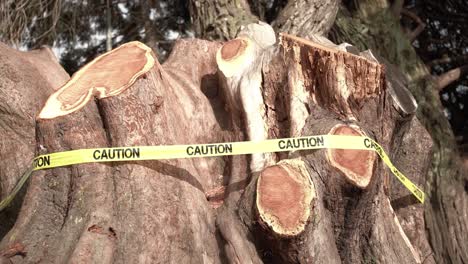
x=65, y=158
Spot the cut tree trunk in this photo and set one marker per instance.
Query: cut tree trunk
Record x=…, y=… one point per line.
x=341, y=94
x=321, y=206
x=372, y=25
x=26, y=80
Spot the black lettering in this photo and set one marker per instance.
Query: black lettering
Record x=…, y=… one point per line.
x=398, y=174
x=209, y=149
x=320, y=141
x=96, y=154
x=302, y=142
x=281, y=144
x=128, y=153
x=228, y=148
x=111, y=153
x=136, y=153
x=312, y=142
x=190, y=150
x=204, y=149
x=418, y=193
x=378, y=149
x=46, y=160
x=197, y=150
x=367, y=143
x=220, y=149
x=41, y=161
x=296, y=143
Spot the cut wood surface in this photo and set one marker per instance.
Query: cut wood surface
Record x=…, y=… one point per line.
x=284, y=198
x=315, y=206
x=93, y=79
x=356, y=165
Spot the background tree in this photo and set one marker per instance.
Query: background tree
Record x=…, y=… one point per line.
x=447, y=177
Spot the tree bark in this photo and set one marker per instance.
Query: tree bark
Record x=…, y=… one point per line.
x=317, y=20
x=93, y=212
x=449, y=77
x=340, y=192
x=322, y=206
x=19, y=103
x=220, y=20
x=445, y=215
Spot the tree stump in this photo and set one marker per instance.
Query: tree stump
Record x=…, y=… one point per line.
x=315, y=206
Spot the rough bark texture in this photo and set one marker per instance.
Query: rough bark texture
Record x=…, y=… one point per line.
x=26, y=80
x=220, y=19
x=92, y=212
x=322, y=206
x=446, y=214
x=317, y=20
x=315, y=74
x=359, y=239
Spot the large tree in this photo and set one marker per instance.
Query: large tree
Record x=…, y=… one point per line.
x=122, y=212
x=376, y=25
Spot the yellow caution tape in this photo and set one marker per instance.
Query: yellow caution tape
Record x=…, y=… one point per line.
x=65, y=158
x=5, y=202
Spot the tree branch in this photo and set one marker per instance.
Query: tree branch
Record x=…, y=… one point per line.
x=449, y=77
x=397, y=7
x=445, y=60
x=415, y=32
x=317, y=20
x=108, y=26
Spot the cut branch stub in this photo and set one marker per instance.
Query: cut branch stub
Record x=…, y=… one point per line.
x=356, y=165
x=233, y=49
x=240, y=63
x=92, y=80
x=235, y=55
x=284, y=198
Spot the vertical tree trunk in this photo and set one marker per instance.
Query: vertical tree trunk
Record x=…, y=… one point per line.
x=108, y=25
x=119, y=213
x=339, y=193
x=324, y=206
x=330, y=205
x=220, y=19
x=446, y=214
x=306, y=18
